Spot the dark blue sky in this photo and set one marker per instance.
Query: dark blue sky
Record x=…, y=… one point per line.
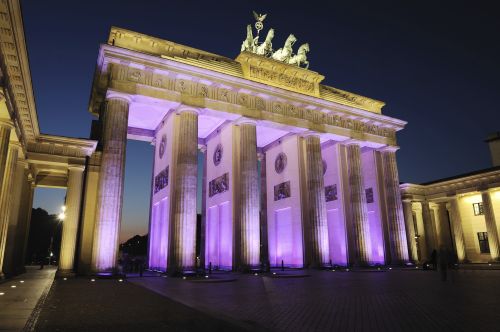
x=435, y=64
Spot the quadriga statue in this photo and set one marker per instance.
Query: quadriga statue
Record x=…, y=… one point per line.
x=284, y=54
x=301, y=57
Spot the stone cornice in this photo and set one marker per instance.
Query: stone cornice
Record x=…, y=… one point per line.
x=246, y=65
x=128, y=72
x=450, y=188
x=16, y=70
x=62, y=146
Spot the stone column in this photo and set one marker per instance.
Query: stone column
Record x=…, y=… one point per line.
x=315, y=225
x=5, y=128
x=443, y=226
x=249, y=223
x=110, y=188
x=397, y=233
x=410, y=230
x=182, y=243
x=358, y=209
x=458, y=233
x=430, y=230
x=491, y=225
x=70, y=223
x=264, y=247
x=9, y=267
x=25, y=219
x=203, y=229
x=6, y=199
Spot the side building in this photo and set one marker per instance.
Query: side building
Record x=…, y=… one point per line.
x=461, y=213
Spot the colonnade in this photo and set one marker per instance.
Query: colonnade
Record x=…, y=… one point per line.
x=246, y=235
x=438, y=226
x=234, y=228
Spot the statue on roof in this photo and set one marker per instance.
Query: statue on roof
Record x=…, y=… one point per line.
x=301, y=57
x=285, y=54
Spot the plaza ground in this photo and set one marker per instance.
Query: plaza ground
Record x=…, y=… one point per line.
x=390, y=300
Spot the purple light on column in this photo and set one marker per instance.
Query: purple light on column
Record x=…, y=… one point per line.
x=158, y=244
x=337, y=238
x=285, y=239
x=219, y=237
x=376, y=239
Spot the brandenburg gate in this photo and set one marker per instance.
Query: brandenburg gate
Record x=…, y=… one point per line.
x=294, y=172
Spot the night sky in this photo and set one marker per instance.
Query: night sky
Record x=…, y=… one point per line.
x=436, y=65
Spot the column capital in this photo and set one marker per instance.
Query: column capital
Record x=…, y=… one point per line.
x=202, y=148
x=189, y=109
x=244, y=120
x=110, y=95
x=352, y=141
x=310, y=133
x=23, y=162
x=261, y=156
x=76, y=168
x=6, y=123
x=15, y=145
x=389, y=148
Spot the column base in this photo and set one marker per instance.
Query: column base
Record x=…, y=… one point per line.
x=65, y=274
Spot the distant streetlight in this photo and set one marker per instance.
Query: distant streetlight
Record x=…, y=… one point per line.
x=62, y=215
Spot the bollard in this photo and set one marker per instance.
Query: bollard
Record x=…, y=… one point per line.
x=210, y=268
x=282, y=266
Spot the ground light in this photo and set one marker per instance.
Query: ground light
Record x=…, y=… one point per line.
x=2, y=293
x=13, y=286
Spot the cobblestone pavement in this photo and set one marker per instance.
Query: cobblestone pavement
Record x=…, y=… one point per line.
x=80, y=304
x=403, y=300
x=19, y=297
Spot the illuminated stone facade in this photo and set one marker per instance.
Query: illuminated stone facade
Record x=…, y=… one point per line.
x=296, y=173
x=461, y=214
x=309, y=135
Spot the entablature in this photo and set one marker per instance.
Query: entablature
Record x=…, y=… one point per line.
x=135, y=74
x=450, y=188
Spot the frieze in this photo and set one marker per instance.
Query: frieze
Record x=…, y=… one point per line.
x=281, y=79
x=224, y=94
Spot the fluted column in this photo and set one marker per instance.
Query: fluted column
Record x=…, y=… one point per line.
x=397, y=233
x=359, y=212
x=410, y=230
x=443, y=226
x=9, y=267
x=25, y=219
x=182, y=244
x=315, y=225
x=5, y=128
x=249, y=223
x=70, y=223
x=110, y=187
x=429, y=229
x=264, y=252
x=458, y=233
x=203, y=227
x=491, y=225
x=6, y=199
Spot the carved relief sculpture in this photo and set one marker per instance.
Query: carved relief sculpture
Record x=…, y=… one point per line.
x=331, y=193
x=218, y=185
x=161, y=180
x=282, y=191
x=280, y=162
